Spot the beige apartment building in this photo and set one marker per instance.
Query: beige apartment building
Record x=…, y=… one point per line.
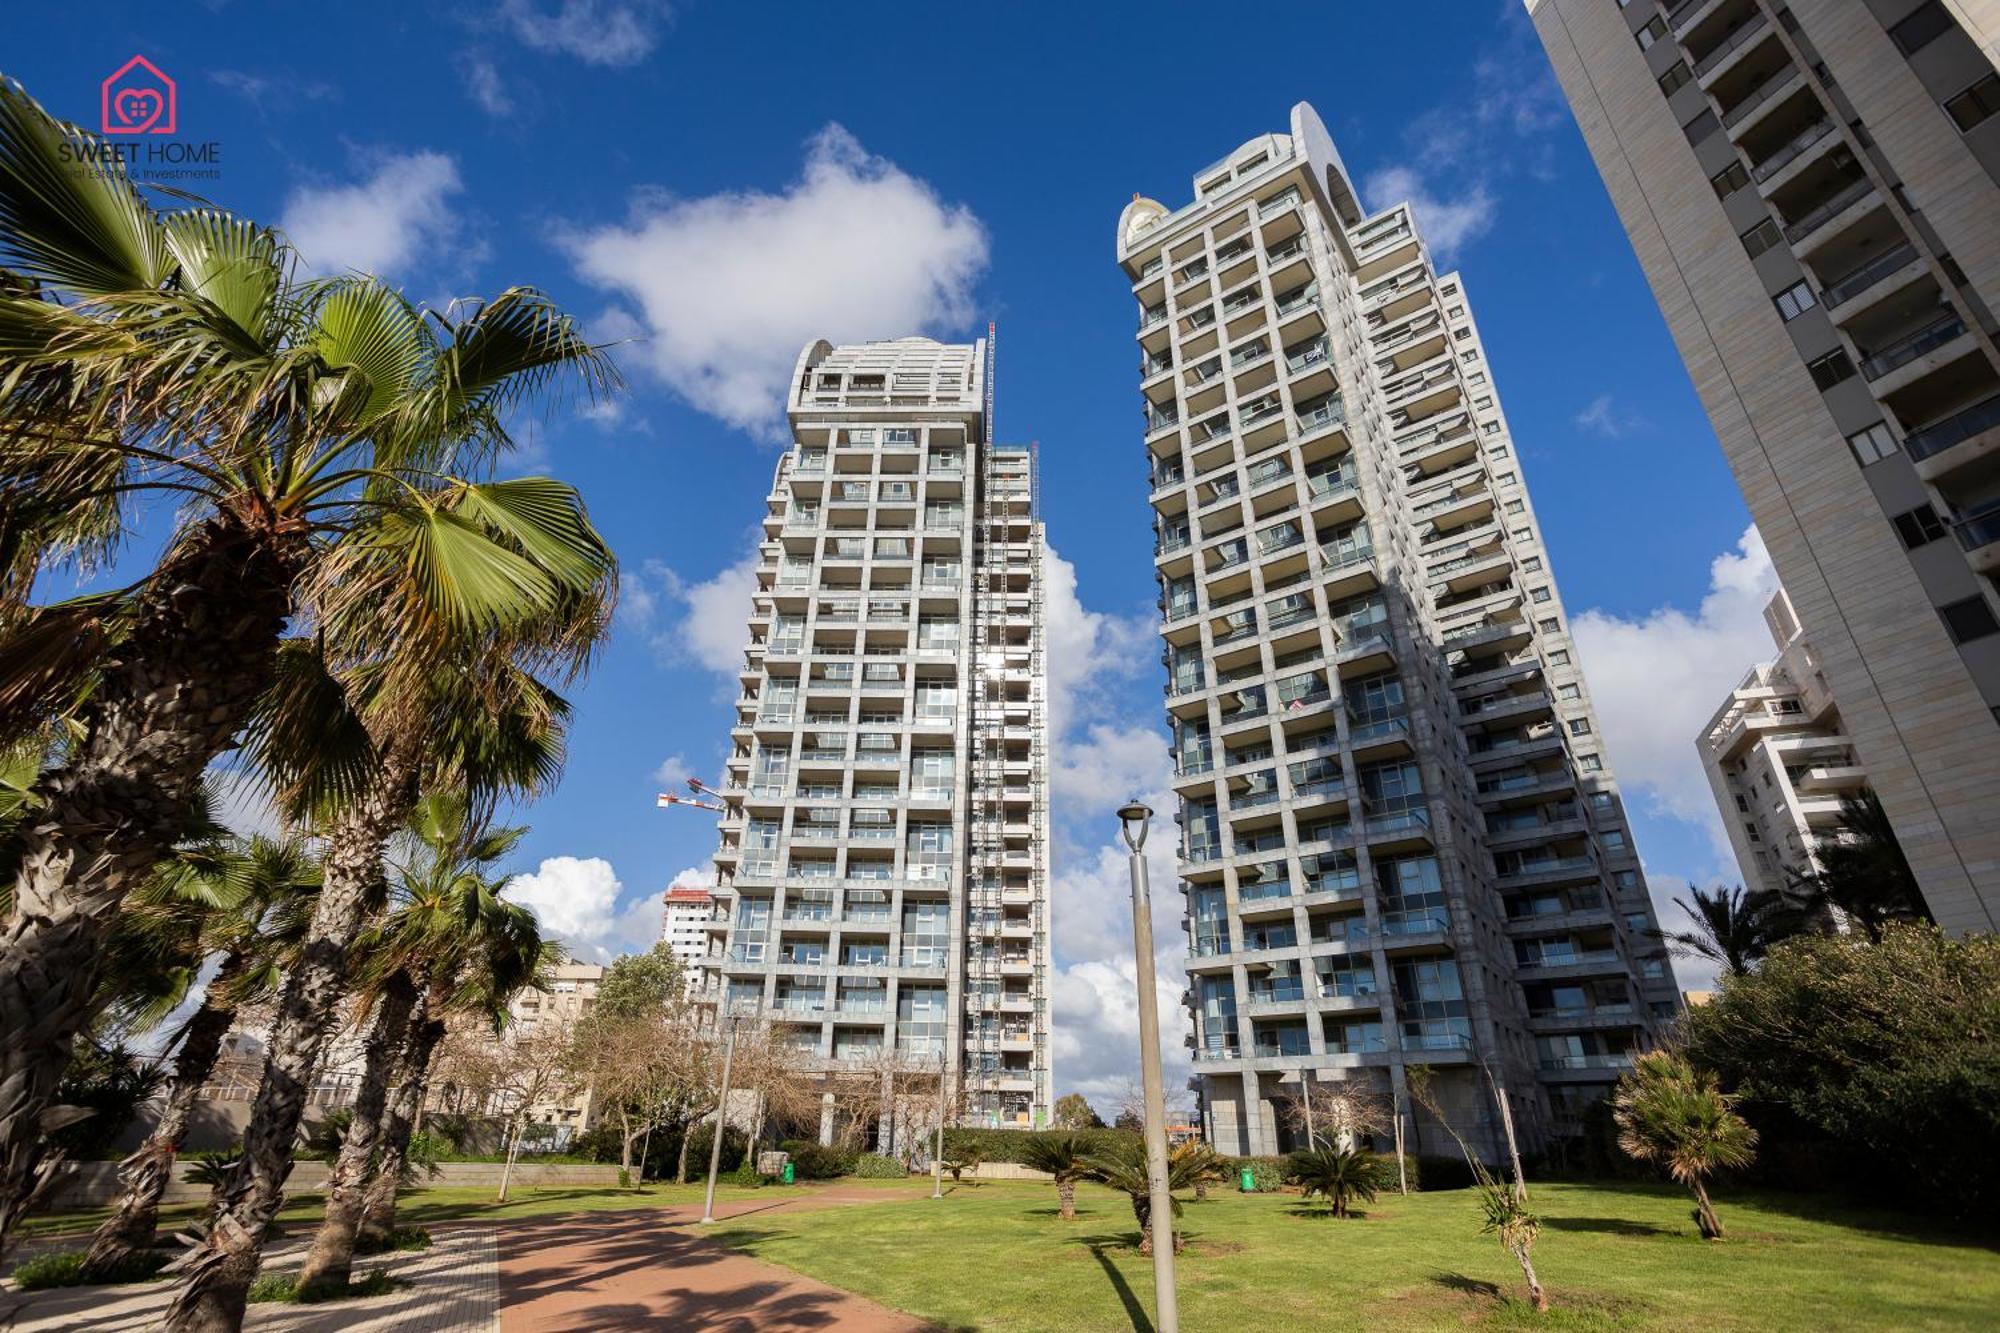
x=1401, y=841
x=1779, y=761
x=1813, y=190
x=568, y=996
x=883, y=868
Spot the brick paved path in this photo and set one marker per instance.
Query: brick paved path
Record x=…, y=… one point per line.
x=636, y=1268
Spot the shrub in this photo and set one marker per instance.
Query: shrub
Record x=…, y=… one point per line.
x=814, y=1161
x=283, y=1289
x=746, y=1174
x=1436, y=1173
x=65, y=1269
x=324, y=1137
x=1908, y=1081
x=596, y=1145
x=1267, y=1173
x=874, y=1166
x=1340, y=1177
x=699, y=1143
x=1008, y=1145
x=398, y=1238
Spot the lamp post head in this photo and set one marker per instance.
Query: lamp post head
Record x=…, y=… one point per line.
x=1136, y=818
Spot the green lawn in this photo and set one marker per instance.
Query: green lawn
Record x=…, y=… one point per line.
x=995, y=1256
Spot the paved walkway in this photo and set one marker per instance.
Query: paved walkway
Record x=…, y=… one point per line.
x=639, y=1268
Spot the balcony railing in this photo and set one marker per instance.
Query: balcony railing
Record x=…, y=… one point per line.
x=1859, y=280
x=1622, y=1060
x=1326, y=414
x=1730, y=43
x=1825, y=212
x=1913, y=345
x=1791, y=149
x=1758, y=96
x=1957, y=428
x=1979, y=528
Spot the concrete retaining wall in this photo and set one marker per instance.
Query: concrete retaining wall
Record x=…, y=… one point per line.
x=1008, y=1171
x=95, y=1184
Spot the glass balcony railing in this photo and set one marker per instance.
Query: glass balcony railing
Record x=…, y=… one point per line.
x=1859, y=280
x=1979, y=529
x=1758, y=96
x=1825, y=211
x=1913, y=345
x=1791, y=150
x=1957, y=428
x=1734, y=41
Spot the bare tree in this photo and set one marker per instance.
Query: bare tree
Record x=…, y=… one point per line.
x=526, y=1069
x=1339, y=1112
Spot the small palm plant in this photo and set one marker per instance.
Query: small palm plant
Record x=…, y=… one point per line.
x=1123, y=1167
x=1199, y=1163
x=1061, y=1155
x=1670, y=1113
x=1507, y=1217
x=1340, y=1177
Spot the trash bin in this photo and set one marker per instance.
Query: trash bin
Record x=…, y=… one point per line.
x=1249, y=1181
x=791, y=1173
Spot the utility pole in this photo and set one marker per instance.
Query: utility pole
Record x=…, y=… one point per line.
x=1136, y=818
x=1306, y=1096
x=721, y=1123
x=937, y=1150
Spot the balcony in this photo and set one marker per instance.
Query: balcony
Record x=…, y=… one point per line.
x=1856, y=281
x=1791, y=151
x=1825, y=211
x=1729, y=46
x=1967, y=435
x=1883, y=360
x=1979, y=535
x=1759, y=96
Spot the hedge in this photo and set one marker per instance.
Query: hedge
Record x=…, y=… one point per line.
x=814, y=1161
x=1004, y=1145
x=1436, y=1173
x=874, y=1166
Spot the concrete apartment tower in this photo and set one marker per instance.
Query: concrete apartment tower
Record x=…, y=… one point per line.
x=1812, y=188
x=884, y=851
x=689, y=909
x=1401, y=841
x=1779, y=760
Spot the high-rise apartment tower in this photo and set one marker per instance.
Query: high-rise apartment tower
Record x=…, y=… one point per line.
x=1401, y=841
x=884, y=848
x=1813, y=189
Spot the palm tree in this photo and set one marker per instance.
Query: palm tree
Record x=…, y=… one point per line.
x=1735, y=928
x=247, y=908
x=1122, y=1166
x=1340, y=1177
x=1670, y=1113
x=1061, y=1155
x=178, y=354
x=1200, y=1163
x=449, y=922
x=1862, y=870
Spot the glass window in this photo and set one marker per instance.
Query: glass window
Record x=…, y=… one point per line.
x=1918, y=527
x=1730, y=179
x=1676, y=77
x=1873, y=444
x=1975, y=104
x=1924, y=25
x=1968, y=620
x=1795, y=300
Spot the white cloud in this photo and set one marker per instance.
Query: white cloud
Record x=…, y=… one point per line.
x=576, y=899
x=1602, y=416
x=1658, y=678
x=485, y=86
x=705, y=622
x=694, y=877
x=673, y=773
x=1087, y=650
x=397, y=217
x=597, y=32
x=1447, y=224
x=731, y=286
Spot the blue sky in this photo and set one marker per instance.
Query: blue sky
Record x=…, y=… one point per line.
x=719, y=182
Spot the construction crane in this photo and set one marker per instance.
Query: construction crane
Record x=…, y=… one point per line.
x=700, y=789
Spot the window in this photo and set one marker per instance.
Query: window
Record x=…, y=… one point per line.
x=1975, y=104
x=1675, y=78
x=1795, y=300
x=1540, y=594
x=1614, y=840
x=1730, y=179
x=1872, y=445
x=1925, y=24
x=1571, y=691
x=1469, y=358
x=1918, y=527
x=1579, y=726
x=1532, y=565
x=1560, y=657
x=1701, y=127
x=1761, y=237
x=1831, y=369
x=1656, y=28
x=1968, y=620
x=1590, y=763
x=1551, y=626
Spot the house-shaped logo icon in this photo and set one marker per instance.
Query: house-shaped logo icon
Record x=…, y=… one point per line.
x=138, y=99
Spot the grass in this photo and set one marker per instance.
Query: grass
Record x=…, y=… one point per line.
x=424, y=1207
x=283, y=1289
x=65, y=1269
x=995, y=1257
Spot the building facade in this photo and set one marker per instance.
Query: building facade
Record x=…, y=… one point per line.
x=571, y=991
x=1811, y=188
x=1401, y=841
x=1778, y=760
x=884, y=850
x=684, y=927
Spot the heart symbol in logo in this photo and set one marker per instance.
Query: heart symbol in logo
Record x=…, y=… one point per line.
x=138, y=109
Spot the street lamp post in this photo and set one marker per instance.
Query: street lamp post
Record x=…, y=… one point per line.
x=937, y=1148
x=1136, y=818
x=721, y=1122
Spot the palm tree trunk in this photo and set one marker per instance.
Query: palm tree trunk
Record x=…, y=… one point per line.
x=171, y=697
x=1066, y=1195
x=331, y=1259
x=220, y=1272
x=1535, y=1292
x=399, y=1120
x=146, y=1173
x=1704, y=1212
x=1142, y=1208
